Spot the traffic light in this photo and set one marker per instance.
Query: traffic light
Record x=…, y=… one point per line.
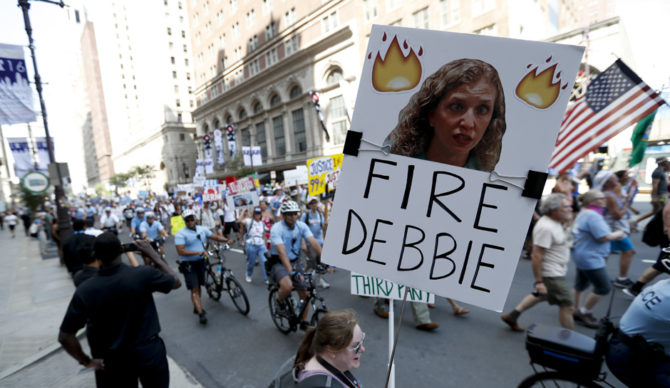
x=231, y=132
x=207, y=140
x=317, y=106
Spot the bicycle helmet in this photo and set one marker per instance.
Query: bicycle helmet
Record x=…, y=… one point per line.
x=187, y=213
x=150, y=215
x=289, y=207
x=139, y=210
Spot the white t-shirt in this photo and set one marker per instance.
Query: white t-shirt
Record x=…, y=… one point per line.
x=555, y=239
x=228, y=213
x=11, y=219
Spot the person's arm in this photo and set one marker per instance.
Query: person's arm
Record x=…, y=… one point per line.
x=666, y=221
x=131, y=259
x=616, y=235
x=283, y=257
x=162, y=266
x=613, y=207
x=181, y=251
x=536, y=258
x=218, y=237
x=654, y=189
x=72, y=346
x=315, y=245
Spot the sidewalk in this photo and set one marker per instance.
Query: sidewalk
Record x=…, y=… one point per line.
x=34, y=294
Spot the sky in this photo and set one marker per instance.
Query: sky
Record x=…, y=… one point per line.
x=645, y=22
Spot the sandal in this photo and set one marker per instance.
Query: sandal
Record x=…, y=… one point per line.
x=461, y=311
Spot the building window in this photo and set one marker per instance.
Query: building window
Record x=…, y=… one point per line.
x=236, y=30
x=270, y=31
x=188, y=76
x=258, y=108
x=481, y=6
x=295, y=92
x=370, y=9
x=299, y=130
x=174, y=75
x=183, y=34
x=233, y=5
x=421, y=18
x=169, y=31
x=338, y=119
x=291, y=45
x=191, y=104
x=450, y=12
x=178, y=103
x=271, y=57
x=179, y=118
x=245, y=136
x=185, y=48
x=253, y=43
x=253, y=67
x=172, y=60
x=334, y=77
x=182, y=137
x=392, y=4
x=267, y=6
x=280, y=142
x=330, y=22
x=289, y=16
x=275, y=100
x=186, y=61
x=176, y=88
x=242, y=115
x=260, y=138
x=251, y=18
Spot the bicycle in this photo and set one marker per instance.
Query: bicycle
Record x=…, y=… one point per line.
x=568, y=358
x=219, y=278
x=284, y=315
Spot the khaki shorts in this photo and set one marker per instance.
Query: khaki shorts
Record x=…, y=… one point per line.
x=558, y=291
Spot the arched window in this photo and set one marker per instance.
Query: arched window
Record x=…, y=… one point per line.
x=229, y=119
x=334, y=76
x=275, y=100
x=243, y=114
x=205, y=129
x=216, y=124
x=258, y=107
x=296, y=91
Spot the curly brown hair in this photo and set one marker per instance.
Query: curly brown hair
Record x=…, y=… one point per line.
x=413, y=134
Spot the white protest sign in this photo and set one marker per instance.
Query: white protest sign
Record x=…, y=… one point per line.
x=365, y=285
x=242, y=185
x=443, y=211
x=211, y=194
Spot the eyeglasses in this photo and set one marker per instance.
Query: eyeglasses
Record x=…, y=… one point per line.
x=290, y=214
x=356, y=349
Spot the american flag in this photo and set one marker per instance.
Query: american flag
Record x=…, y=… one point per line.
x=616, y=99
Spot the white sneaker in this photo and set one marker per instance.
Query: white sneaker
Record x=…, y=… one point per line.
x=247, y=278
x=323, y=283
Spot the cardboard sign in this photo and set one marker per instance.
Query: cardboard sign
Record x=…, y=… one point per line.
x=364, y=285
x=431, y=197
x=323, y=171
x=241, y=185
x=242, y=200
x=297, y=176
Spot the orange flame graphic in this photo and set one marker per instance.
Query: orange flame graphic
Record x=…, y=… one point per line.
x=539, y=90
x=396, y=72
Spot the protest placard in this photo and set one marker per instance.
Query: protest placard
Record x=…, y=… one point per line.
x=242, y=193
x=323, y=171
x=431, y=196
x=241, y=185
x=296, y=176
x=365, y=285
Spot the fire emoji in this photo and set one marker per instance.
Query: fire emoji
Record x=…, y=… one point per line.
x=540, y=90
x=396, y=72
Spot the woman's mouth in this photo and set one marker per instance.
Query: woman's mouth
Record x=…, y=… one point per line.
x=461, y=139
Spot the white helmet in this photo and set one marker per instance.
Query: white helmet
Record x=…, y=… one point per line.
x=289, y=206
x=187, y=213
x=149, y=215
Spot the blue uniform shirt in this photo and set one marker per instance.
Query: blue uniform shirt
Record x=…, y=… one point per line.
x=291, y=238
x=192, y=240
x=315, y=224
x=151, y=230
x=649, y=315
x=136, y=222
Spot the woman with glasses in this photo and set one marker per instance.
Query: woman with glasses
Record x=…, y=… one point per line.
x=330, y=351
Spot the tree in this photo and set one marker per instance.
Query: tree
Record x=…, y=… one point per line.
x=119, y=180
x=236, y=166
x=30, y=200
x=144, y=173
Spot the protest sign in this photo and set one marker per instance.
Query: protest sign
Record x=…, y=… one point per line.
x=210, y=194
x=365, y=285
x=323, y=171
x=242, y=193
x=176, y=224
x=430, y=196
x=297, y=176
x=241, y=185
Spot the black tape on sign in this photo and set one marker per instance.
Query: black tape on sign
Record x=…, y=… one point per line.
x=534, y=184
x=352, y=143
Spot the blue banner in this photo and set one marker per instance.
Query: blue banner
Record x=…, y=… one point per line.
x=16, y=94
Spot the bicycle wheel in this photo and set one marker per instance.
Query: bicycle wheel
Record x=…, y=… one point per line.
x=556, y=379
x=317, y=315
x=280, y=316
x=213, y=286
x=238, y=295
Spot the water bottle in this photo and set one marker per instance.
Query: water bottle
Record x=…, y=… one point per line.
x=300, y=304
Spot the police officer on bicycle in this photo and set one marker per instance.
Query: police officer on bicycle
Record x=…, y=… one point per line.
x=151, y=229
x=190, y=244
x=109, y=221
x=286, y=238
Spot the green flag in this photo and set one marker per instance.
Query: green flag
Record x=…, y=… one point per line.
x=640, y=138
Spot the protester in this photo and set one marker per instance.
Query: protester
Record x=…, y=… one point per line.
x=639, y=352
x=11, y=221
x=549, y=258
x=591, y=248
x=255, y=244
x=659, y=188
x=331, y=349
x=74, y=244
x=316, y=221
x=117, y=307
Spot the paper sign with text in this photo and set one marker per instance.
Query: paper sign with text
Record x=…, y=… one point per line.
x=323, y=171
x=241, y=185
x=365, y=285
x=297, y=176
x=433, y=198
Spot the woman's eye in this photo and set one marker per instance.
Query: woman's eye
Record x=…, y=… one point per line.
x=456, y=107
x=483, y=109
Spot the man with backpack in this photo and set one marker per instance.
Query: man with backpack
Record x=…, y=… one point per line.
x=314, y=219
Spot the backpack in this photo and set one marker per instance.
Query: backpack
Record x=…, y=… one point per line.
x=289, y=379
x=653, y=232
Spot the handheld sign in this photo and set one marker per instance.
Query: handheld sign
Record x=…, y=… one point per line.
x=364, y=285
x=323, y=171
x=437, y=192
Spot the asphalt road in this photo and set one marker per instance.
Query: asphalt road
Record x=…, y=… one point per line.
x=476, y=350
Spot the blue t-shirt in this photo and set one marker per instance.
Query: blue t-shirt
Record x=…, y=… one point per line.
x=291, y=238
x=588, y=252
x=192, y=240
x=136, y=222
x=649, y=315
x=151, y=230
x=315, y=224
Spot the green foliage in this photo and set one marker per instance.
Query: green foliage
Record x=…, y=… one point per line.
x=30, y=200
x=236, y=167
x=101, y=190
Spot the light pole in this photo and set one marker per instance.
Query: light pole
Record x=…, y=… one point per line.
x=64, y=226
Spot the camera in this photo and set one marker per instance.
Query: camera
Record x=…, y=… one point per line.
x=129, y=247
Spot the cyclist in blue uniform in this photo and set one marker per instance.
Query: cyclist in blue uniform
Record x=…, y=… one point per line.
x=286, y=238
x=190, y=244
x=137, y=221
x=151, y=229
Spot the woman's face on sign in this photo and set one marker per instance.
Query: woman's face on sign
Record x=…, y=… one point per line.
x=461, y=118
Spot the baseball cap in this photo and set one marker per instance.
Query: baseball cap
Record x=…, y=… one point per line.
x=257, y=210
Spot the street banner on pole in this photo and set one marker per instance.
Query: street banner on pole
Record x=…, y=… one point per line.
x=246, y=155
x=256, y=157
x=436, y=193
x=323, y=171
x=43, y=153
x=23, y=159
x=218, y=146
x=16, y=95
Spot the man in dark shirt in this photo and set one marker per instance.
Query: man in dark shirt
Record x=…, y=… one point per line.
x=74, y=246
x=117, y=307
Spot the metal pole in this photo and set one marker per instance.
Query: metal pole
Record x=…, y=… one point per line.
x=64, y=226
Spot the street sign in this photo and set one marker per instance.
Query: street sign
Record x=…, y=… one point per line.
x=35, y=182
